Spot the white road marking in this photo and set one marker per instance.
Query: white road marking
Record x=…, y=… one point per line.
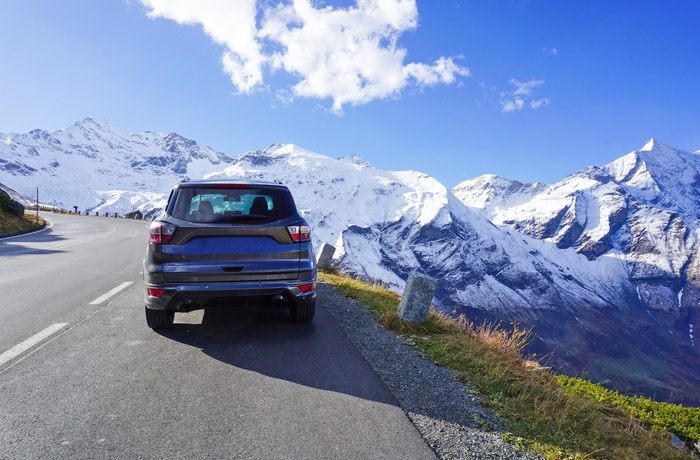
x=102, y=298
x=30, y=342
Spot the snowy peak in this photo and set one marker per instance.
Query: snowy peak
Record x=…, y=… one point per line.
x=661, y=176
x=94, y=125
x=89, y=137
x=655, y=146
x=175, y=143
x=489, y=193
x=653, y=156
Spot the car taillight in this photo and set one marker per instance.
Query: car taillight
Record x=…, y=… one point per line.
x=233, y=186
x=156, y=292
x=306, y=287
x=161, y=232
x=300, y=232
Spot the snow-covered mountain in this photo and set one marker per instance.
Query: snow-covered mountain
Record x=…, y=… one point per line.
x=96, y=167
x=591, y=308
x=643, y=208
x=387, y=223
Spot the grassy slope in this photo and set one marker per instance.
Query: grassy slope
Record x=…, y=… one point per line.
x=10, y=223
x=541, y=414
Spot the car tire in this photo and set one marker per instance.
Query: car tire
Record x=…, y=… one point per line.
x=160, y=319
x=302, y=311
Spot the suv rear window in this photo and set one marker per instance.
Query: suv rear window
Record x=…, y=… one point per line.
x=228, y=205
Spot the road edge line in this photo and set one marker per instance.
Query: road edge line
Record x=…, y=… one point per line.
x=25, y=345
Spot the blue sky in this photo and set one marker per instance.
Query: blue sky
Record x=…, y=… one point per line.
x=527, y=89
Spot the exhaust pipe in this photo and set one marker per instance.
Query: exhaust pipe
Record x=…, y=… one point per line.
x=279, y=301
x=187, y=306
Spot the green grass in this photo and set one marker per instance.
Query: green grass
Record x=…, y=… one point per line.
x=658, y=416
x=560, y=421
x=10, y=223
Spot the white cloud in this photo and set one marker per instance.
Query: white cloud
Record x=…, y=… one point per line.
x=231, y=24
x=534, y=105
x=514, y=101
x=525, y=89
x=350, y=55
x=514, y=105
x=550, y=51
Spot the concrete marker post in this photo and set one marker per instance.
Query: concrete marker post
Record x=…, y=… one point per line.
x=417, y=297
x=325, y=256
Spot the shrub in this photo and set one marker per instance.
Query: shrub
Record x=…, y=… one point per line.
x=9, y=205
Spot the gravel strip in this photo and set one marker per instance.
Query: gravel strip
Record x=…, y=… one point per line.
x=449, y=418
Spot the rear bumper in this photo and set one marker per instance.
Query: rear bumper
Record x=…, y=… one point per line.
x=188, y=297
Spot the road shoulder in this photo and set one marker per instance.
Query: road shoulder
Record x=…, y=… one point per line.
x=450, y=419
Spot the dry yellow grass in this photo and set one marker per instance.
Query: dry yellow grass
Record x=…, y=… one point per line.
x=10, y=223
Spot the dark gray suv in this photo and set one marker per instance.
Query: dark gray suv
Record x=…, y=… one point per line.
x=229, y=243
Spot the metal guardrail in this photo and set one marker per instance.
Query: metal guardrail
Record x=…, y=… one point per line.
x=135, y=215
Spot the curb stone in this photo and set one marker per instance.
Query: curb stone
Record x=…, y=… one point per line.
x=23, y=232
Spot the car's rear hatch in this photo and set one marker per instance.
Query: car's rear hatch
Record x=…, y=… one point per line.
x=230, y=233
x=230, y=254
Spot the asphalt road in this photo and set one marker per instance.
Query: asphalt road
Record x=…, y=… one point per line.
x=82, y=376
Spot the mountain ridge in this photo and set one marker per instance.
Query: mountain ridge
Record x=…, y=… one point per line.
x=643, y=207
